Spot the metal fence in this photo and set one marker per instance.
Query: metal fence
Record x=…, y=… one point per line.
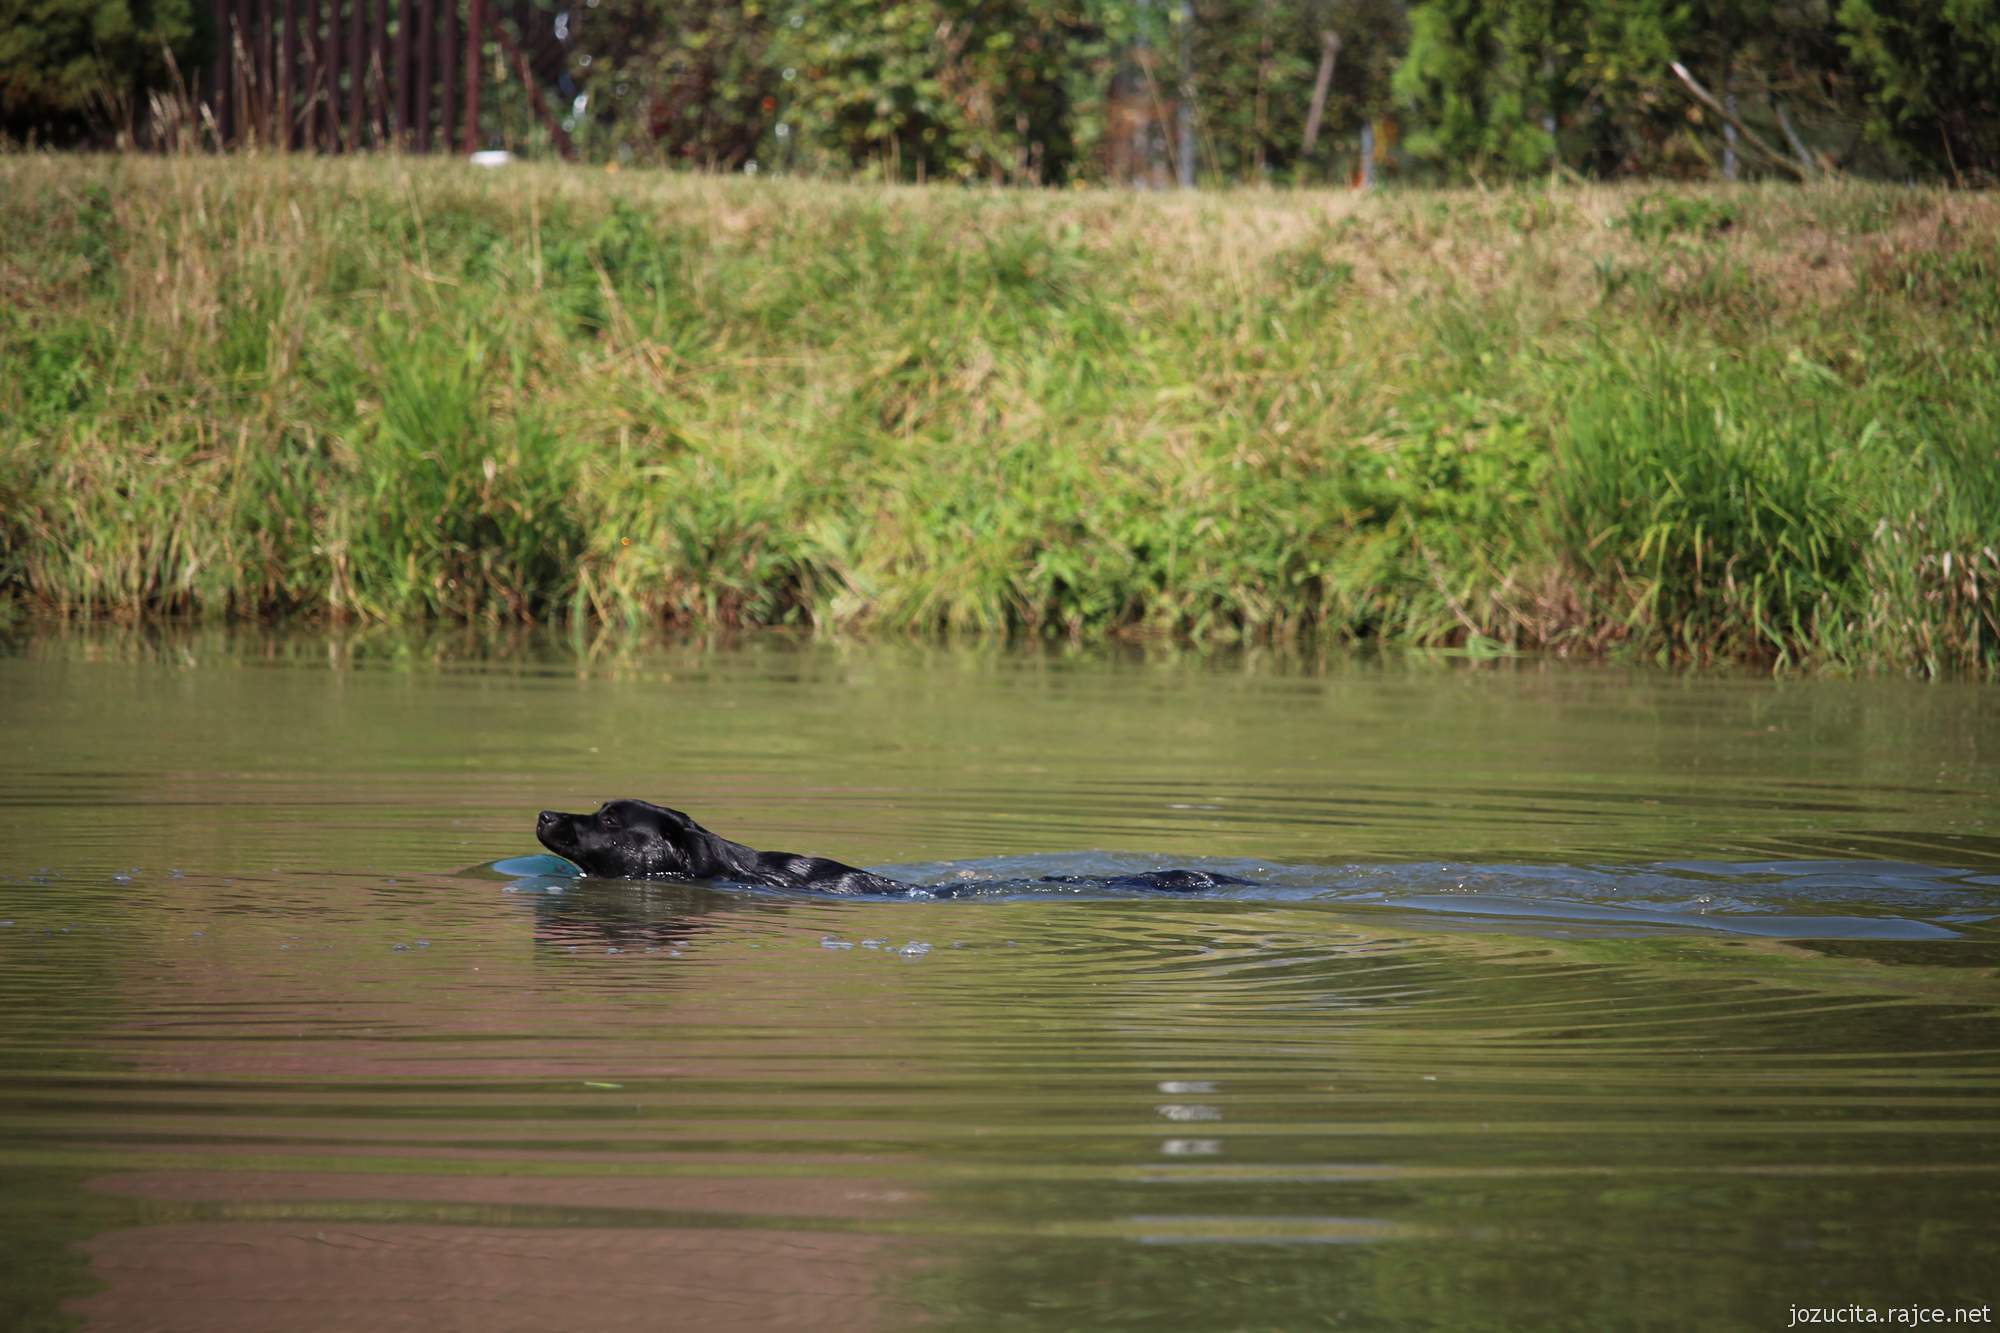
x=343, y=75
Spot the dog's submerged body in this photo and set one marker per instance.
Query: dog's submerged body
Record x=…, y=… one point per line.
x=639, y=840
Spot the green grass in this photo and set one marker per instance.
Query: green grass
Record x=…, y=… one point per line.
x=1749, y=424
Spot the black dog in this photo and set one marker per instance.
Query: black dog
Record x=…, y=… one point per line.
x=638, y=840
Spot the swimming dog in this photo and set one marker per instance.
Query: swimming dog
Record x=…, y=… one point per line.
x=638, y=840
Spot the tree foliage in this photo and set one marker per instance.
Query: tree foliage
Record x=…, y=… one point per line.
x=1935, y=74
x=1511, y=86
x=1056, y=91
x=69, y=65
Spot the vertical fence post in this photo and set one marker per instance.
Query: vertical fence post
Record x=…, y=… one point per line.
x=475, y=20
x=330, y=118
x=241, y=75
x=381, y=121
x=399, y=100
x=220, y=13
x=344, y=75
x=1184, y=103
x=448, y=59
x=338, y=76
x=267, y=106
x=288, y=61
x=357, y=70
x=426, y=39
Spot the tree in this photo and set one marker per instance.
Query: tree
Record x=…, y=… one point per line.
x=68, y=66
x=1489, y=81
x=689, y=82
x=1254, y=66
x=946, y=89
x=1933, y=74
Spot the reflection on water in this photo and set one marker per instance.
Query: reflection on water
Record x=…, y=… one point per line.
x=1561, y=998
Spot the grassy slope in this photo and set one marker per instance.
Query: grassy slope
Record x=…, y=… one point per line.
x=1759, y=423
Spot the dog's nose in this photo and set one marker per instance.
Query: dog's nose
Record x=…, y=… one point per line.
x=548, y=819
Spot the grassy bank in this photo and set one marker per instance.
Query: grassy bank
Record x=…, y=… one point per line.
x=1761, y=423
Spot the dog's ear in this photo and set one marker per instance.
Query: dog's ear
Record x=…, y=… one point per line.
x=712, y=854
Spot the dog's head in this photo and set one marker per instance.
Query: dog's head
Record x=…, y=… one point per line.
x=634, y=840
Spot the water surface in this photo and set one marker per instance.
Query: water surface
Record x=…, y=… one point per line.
x=1563, y=997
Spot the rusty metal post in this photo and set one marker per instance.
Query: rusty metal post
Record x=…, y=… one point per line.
x=243, y=75
x=218, y=62
x=357, y=71
x=475, y=22
x=382, y=121
x=329, y=73
x=267, y=107
x=288, y=67
x=399, y=99
x=426, y=35
x=448, y=72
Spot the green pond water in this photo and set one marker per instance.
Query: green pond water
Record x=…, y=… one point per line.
x=1561, y=997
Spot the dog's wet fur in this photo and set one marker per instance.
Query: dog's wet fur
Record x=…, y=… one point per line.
x=638, y=840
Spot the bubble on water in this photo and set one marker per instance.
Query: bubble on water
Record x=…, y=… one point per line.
x=614, y=949
x=831, y=942
x=914, y=949
x=874, y=944
x=400, y=948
